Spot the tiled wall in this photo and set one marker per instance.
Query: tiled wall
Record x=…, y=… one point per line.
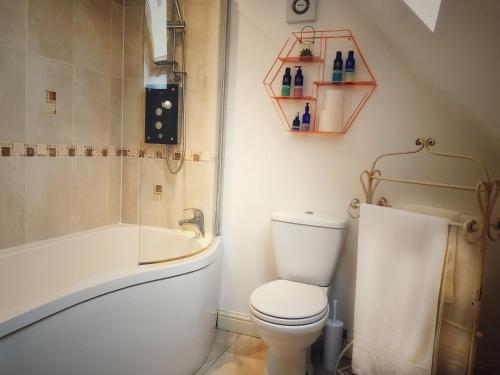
x=194, y=186
x=50, y=183
x=86, y=165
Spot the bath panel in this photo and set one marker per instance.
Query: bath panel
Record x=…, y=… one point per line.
x=156, y=319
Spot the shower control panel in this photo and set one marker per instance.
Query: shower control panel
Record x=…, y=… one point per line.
x=161, y=115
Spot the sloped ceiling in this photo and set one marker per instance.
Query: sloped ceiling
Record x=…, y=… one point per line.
x=459, y=62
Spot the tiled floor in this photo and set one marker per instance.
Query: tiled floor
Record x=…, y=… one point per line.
x=235, y=354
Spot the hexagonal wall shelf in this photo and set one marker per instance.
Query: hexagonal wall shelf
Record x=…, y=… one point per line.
x=317, y=71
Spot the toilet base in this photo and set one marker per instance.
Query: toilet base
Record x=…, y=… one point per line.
x=294, y=363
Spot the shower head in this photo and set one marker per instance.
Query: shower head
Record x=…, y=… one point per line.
x=156, y=20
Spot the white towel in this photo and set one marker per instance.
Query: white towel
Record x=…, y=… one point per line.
x=400, y=263
x=458, y=292
x=451, y=253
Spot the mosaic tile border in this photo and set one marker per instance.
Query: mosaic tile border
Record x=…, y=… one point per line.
x=49, y=151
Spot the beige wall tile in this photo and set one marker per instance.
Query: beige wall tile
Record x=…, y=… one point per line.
x=117, y=22
x=90, y=193
x=199, y=189
x=92, y=108
x=203, y=37
x=44, y=75
x=116, y=112
x=202, y=64
x=13, y=24
x=130, y=190
x=12, y=217
x=50, y=28
x=48, y=198
x=175, y=197
x=114, y=190
x=201, y=119
x=154, y=210
x=93, y=35
x=133, y=112
x=133, y=54
x=12, y=95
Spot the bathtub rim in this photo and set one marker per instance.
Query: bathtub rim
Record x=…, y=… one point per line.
x=98, y=286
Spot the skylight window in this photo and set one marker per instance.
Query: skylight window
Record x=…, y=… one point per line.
x=426, y=10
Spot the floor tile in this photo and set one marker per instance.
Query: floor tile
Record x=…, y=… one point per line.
x=222, y=341
x=248, y=346
x=232, y=364
x=234, y=354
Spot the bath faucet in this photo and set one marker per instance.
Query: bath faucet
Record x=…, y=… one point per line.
x=198, y=221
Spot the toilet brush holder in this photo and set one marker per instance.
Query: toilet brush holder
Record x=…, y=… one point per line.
x=334, y=337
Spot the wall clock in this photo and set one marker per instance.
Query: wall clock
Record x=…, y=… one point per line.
x=301, y=11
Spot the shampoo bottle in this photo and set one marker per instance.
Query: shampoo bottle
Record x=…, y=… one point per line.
x=287, y=83
x=350, y=65
x=337, y=67
x=298, y=83
x=306, y=119
x=296, y=123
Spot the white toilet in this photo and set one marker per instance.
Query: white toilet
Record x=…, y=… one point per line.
x=289, y=313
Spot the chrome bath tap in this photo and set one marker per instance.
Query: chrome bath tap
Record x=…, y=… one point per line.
x=197, y=221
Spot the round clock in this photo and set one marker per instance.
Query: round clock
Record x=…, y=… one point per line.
x=301, y=6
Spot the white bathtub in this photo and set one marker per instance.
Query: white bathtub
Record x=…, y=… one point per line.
x=81, y=304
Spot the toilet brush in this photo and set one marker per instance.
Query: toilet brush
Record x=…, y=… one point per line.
x=333, y=340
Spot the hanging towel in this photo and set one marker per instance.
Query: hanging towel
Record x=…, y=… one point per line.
x=451, y=252
x=458, y=293
x=400, y=264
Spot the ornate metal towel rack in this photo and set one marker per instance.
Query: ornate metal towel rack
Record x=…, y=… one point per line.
x=486, y=192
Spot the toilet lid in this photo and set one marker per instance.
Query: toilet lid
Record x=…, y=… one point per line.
x=289, y=300
x=288, y=322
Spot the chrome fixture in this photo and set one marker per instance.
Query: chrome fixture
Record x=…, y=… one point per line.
x=174, y=26
x=197, y=221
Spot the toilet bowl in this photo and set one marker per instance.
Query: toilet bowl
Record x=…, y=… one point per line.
x=289, y=316
x=289, y=313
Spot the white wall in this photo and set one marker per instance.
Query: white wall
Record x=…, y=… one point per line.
x=267, y=168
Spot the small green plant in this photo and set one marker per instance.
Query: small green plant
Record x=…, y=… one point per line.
x=306, y=52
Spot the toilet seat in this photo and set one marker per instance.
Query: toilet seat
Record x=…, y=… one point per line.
x=287, y=322
x=289, y=303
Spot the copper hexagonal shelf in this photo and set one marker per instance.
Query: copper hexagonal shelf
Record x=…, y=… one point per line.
x=324, y=44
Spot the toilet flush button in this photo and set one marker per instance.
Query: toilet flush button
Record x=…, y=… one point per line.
x=309, y=212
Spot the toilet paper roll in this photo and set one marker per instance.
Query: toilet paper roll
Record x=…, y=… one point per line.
x=334, y=99
x=331, y=120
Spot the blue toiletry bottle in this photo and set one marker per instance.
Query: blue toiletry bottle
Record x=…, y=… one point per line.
x=306, y=119
x=350, y=66
x=298, y=83
x=287, y=83
x=296, y=123
x=337, y=67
